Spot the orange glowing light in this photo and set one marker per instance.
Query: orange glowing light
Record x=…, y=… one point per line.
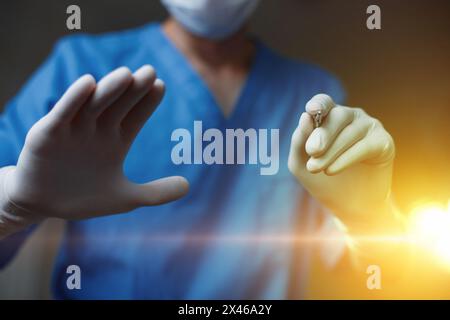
x=429, y=228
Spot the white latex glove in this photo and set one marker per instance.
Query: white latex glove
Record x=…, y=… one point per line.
x=71, y=163
x=346, y=163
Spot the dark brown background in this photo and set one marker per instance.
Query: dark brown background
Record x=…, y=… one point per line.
x=400, y=74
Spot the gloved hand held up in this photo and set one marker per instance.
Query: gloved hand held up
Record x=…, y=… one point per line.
x=71, y=165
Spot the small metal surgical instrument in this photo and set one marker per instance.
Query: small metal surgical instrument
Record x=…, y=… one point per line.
x=318, y=119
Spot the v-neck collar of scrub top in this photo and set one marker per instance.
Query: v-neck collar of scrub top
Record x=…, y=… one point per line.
x=194, y=86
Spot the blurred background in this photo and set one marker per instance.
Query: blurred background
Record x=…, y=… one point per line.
x=400, y=74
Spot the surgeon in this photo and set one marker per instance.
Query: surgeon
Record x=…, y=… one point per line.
x=88, y=139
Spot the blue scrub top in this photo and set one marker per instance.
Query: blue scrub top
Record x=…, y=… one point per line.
x=220, y=241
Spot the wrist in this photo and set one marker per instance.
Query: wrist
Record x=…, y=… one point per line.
x=13, y=218
x=381, y=219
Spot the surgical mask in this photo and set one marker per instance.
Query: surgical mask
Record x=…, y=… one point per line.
x=212, y=19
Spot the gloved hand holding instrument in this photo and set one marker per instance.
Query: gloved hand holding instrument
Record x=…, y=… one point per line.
x=71, y=165
x=344, y=158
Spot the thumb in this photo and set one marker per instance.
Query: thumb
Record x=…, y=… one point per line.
x=297, y=154
x=160, y=191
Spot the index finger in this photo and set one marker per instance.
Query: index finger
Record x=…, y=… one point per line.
x=322, y=103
